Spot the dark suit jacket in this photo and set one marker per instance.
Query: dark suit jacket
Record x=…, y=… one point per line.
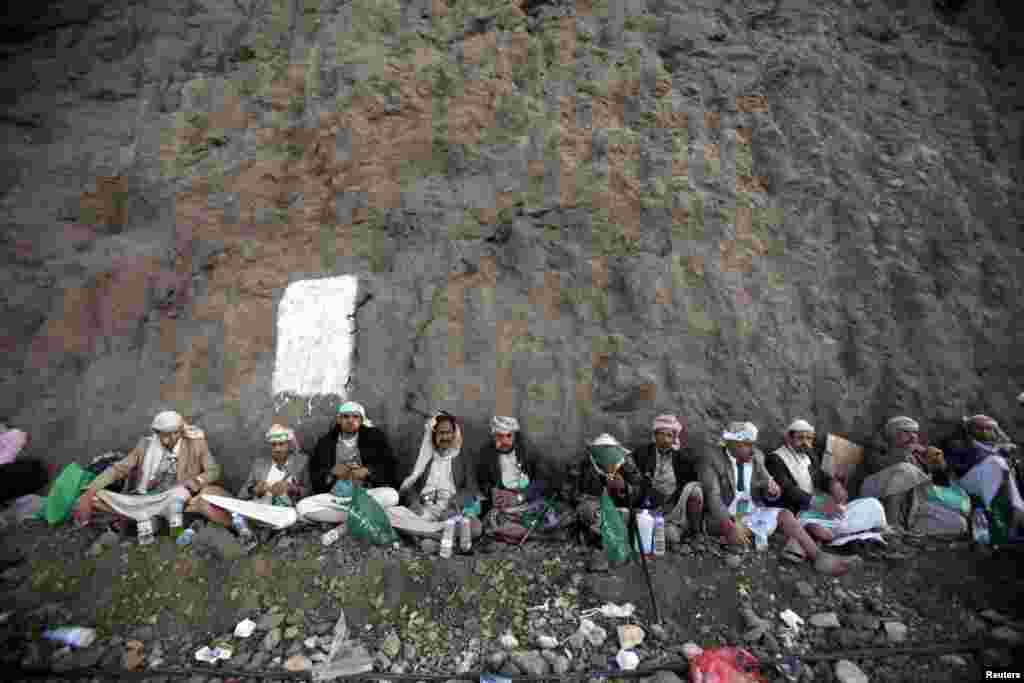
x=464, y=476
x=684, y=464
x=719, y=482
x=488, y=472
x=794, y=498
x=590, y=483
x=298, y=467
x=374, y=451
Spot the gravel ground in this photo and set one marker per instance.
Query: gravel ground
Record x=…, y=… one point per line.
x=516, y=611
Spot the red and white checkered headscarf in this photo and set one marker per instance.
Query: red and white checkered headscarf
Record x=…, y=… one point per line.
x=672, y=424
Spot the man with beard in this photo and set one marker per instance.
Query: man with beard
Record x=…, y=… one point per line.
x=168, y=472
x=512, y=476
x=354, y=453
x=900, y=477
x=820, y=501
x=982, y=466
x=740, y=496
x=441, y=486
x=670, y=467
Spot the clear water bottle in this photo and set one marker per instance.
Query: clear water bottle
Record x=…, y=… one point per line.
x=448, y=538
x=981, y=533
x=177, y=513
x=465, y=534
x=75, y=636
x=659, y=535
x=146, y=535
x=332, y=536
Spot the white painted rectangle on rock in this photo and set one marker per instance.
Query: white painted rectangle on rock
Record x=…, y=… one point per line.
x=314, y=336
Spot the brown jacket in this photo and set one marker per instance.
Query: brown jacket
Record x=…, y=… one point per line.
x=194, y=459
x=719, y=482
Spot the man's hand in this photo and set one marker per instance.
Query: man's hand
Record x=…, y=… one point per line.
x=502, y=498
x=838, y=492
x=85, y=506
x=193, y=486
x=260, y=489
x=934, y=457
x=833, y=509
x=616, y=484
x=774, y=491
x=279, y=489
x=359, y=473
x=342, y=471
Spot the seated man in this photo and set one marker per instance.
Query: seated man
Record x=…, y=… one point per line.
x=353, y=453
x=900, y=477
x=167, y=470
x=19, y=476
x=274, y=482
x=510, y=473
x=441, y=486
x=670, y=469
x=734, y=478
x=820, y=501
x=981, y=467
x=608, y=467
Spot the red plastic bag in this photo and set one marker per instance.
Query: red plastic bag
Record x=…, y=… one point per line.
x=725, y=665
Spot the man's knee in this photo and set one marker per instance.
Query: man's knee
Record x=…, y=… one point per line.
x=695, y=503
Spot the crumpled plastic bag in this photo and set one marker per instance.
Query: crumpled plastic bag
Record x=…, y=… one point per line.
x=725, y=665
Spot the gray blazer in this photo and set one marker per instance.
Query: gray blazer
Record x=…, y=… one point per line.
x=719, y=483
x=298, y=467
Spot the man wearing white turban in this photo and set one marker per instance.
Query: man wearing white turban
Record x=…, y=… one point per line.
x=820, y=501
x=517, y=483
x=742, y=498
x=353, y=454
x=167, y=470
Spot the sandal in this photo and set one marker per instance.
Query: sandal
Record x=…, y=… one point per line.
x=793, y=553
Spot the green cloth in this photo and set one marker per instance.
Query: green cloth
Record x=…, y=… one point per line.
x=64, y=494
x=613, y=531
x=367, y=519
x=607, y=456
x=952, y=497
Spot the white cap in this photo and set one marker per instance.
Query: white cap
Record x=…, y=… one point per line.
x=800, y=426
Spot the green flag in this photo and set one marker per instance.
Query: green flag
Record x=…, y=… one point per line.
x=613, y=531
x=367, y=519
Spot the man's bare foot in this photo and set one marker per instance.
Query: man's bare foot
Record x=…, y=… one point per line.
x=834, y=565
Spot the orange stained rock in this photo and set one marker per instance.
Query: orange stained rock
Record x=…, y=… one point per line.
x=663, y=295
x=752, y=183
x=712, y=120
x=744, y=222
x=472, y=393
x=752, y=103
x=744, y=135
x=504, y=391
x=549, y=295
x=711, y=151
x=599, y=271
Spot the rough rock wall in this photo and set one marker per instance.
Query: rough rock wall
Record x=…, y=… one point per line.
x=580, y=213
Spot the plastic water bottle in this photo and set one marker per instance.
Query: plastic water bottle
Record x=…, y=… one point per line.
x=981, y=530
x=146, y=535
x=76, y=636
x=186, y=536
x=448, y=539
x=645, y=525
x=465, y=534
x=659, y=535
x=177, y=512
x=332, y=536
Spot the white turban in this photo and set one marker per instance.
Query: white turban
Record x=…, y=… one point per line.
x=800, y=426
x=168, y=421
x=900, y=424
x=353, y=408
x=500, y=423
x=740, y=431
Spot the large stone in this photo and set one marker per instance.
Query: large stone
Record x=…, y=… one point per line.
x=848, y=672
x=272, y=639
x=298, y=663
x=825, y=620
x=1006, y=636
x=219, y=540
x=896, y=632
x=531, y=663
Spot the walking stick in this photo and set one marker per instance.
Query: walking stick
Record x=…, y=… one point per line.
x=634, y=532
x=543, y=514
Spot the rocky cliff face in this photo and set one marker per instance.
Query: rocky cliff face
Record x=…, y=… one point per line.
x=582, y=214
